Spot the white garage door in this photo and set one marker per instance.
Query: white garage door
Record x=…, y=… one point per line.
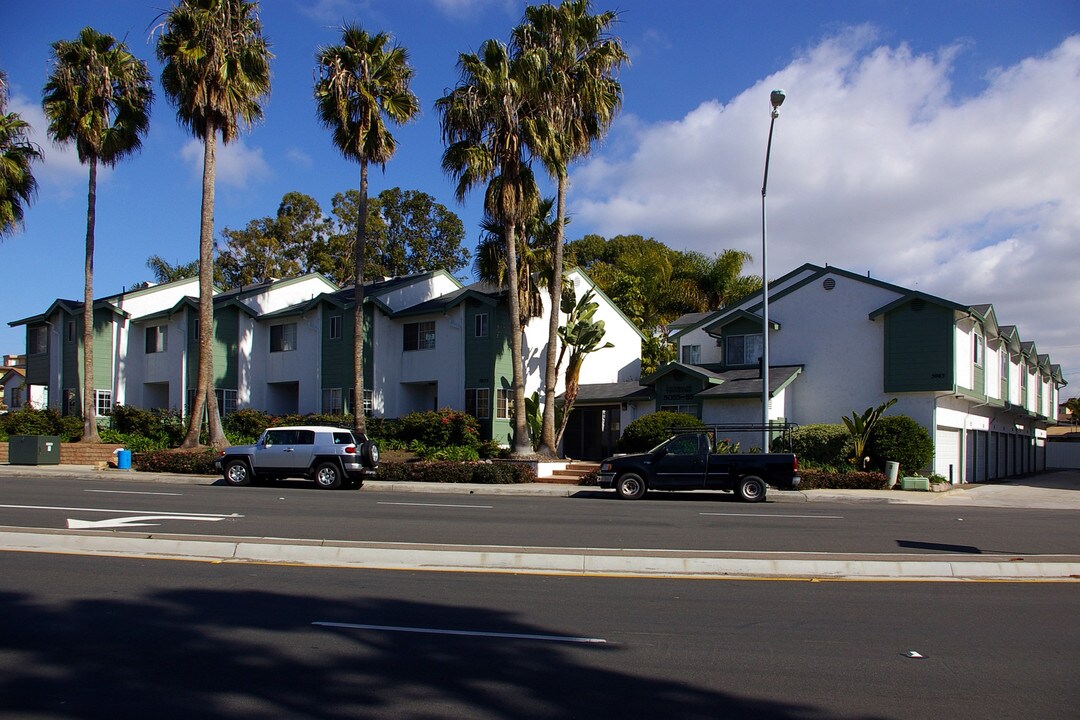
x=947, y=454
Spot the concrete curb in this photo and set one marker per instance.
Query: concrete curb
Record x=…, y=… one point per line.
x=534, y=560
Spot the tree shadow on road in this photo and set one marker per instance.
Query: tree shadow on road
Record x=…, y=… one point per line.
x=234, y=652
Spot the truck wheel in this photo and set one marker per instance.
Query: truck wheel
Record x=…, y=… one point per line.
x=630, y=486
x=752, y=489
x=237, y=473
x=369, y=453
x=328, y=476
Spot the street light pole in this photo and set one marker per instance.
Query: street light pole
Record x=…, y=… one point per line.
x=777, y=99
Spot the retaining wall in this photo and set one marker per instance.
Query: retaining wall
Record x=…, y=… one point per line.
x=76, y=453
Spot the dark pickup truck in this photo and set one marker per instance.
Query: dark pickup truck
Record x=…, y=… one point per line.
x=689, y=461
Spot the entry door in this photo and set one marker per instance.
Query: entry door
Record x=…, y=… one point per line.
x=682, y=464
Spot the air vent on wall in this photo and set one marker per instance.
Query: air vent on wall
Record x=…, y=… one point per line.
x=917, y=305
x=829, y=283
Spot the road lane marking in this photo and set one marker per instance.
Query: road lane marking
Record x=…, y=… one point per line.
x=134, y=521
x=767, y=515
x=114, y=510
x=446, y=505
x=132, y=492
x=465, y=633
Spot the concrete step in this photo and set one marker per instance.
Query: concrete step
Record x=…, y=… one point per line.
x=571, y=474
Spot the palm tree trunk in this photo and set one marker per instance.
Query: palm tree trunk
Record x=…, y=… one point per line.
x=204, y=387
x=549, y=441
x=90, y=433
x=358, y=298
x=521, y=445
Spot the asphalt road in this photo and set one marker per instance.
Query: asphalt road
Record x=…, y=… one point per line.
x=588, y=520
x=85, y=637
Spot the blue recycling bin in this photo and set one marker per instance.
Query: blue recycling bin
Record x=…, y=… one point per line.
x=123, y=459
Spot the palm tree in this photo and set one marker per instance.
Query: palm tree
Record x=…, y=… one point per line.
x=483, y=124
x=360, y=82
x=17, y=183
x=717, y=280
x=97, y=97
x=216, y=73
x=577, y=98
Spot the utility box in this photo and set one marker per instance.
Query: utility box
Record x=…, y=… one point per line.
x=915, y=483
x=34, y=450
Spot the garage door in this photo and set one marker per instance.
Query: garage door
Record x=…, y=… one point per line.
x=947, y=454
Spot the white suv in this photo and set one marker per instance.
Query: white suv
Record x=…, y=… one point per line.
x=330, y=456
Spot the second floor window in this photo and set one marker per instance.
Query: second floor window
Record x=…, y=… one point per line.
x=482, y=325
x=979, y=349
x=157, y=339
x=419, y=336
x=335, y=327
x=283, y=337
x=742, y=349
x=691, y=354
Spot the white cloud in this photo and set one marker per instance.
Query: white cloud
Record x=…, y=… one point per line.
x=60, y=174
x=299, y=158
x=876, y=165
x=235, y=164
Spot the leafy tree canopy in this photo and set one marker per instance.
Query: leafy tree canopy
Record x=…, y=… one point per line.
x=408, y=232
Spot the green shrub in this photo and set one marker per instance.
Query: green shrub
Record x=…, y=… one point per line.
x=487, y=473
x=650, y=430
x=195, y=462
x=245, y=423
x=458, y=453
x=165, y=428
x=828, y=444
x=900, y=439
x=30, y=421
x=440, y=428
x=850, y=480
x=135, y=443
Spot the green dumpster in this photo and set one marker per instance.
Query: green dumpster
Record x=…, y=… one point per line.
x=34, y=450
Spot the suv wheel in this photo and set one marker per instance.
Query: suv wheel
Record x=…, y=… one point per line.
x=237, y=473
x=751, y=489
x=328, y=476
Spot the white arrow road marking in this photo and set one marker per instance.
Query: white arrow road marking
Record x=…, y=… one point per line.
x=467, y=633
x=134, y=521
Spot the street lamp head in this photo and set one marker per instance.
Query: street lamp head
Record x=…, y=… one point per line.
x=777, y=99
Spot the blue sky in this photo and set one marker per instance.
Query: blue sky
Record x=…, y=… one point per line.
x=930, y=143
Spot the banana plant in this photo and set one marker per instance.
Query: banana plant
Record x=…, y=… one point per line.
x=583, y=336
x=860, y=427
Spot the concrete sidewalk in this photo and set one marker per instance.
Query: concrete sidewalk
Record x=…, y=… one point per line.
x=1057, y=491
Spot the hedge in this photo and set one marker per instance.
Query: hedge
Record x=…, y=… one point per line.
x=185, y=462
x=485, y=473
x=853, y=480
x=650, y=430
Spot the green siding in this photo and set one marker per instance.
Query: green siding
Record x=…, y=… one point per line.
x=37, y=366
x=70, y=358
x=480, y=358
x=919, y=348
x=225, y=348
x=502, y=431
x=978, y=379
x=742, y=326
x=337, y=355
x=103, y=349
x=678, y=388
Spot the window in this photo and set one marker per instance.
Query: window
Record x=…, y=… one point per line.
x=979, y=349
x=742, y=349
x=1004, y=355
x=331, y=401
x=226, y=401
x=367, y=403
x=482, y=325
x=71, y=331
x=419, y=336
x=478, y=402
x=156, y=339
x=504, y=403
x=195, y=329
x=283, y=337
x=335, y=327
x=691, y=354
x=103, y=402
x=37, y=340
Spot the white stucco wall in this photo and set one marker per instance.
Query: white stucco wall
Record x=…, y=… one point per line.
x=830, y=333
